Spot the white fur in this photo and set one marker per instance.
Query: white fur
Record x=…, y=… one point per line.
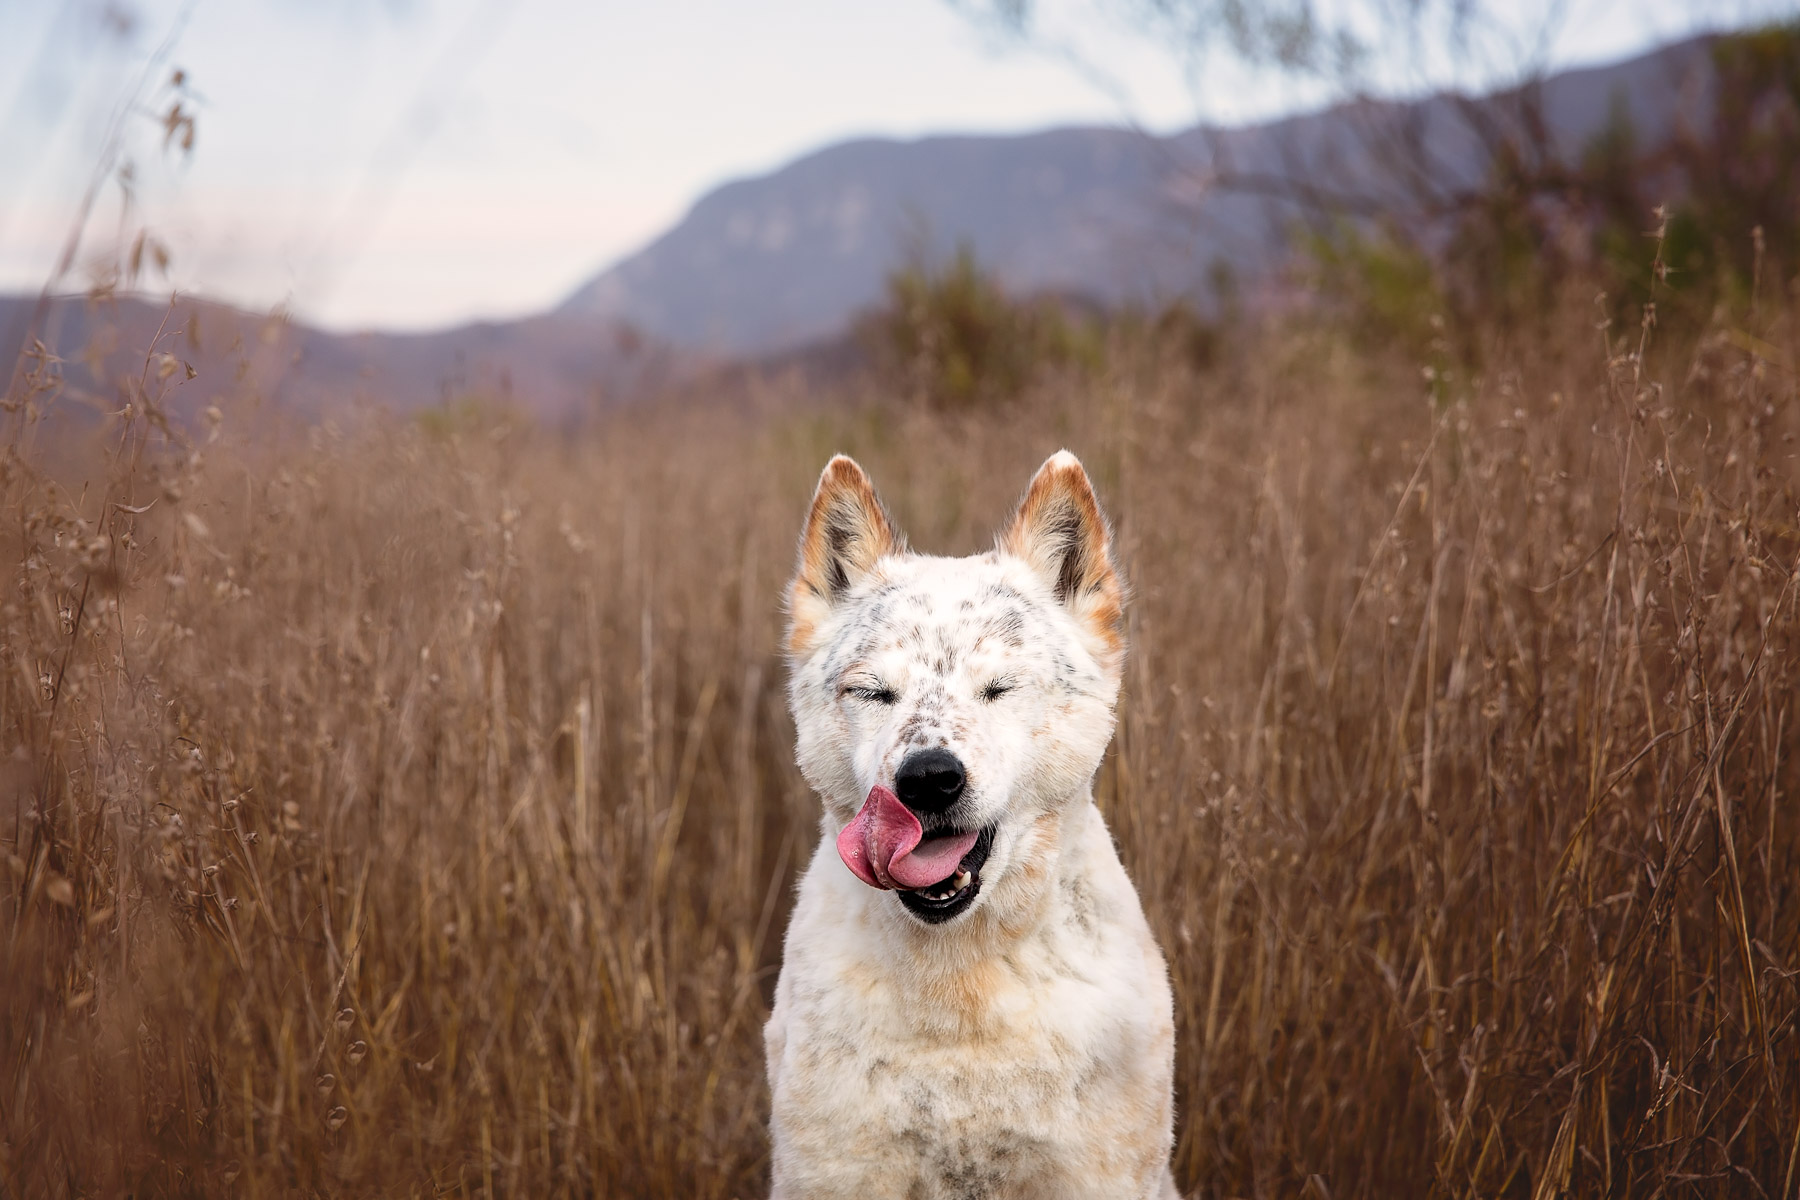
x=1026, y=1047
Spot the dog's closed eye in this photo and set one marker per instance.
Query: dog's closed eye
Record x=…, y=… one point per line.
x=996, y=689
x=874, y=693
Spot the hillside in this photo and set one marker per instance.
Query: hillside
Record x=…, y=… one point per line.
x=559, y=366
x=765, y=264
x=764, y=267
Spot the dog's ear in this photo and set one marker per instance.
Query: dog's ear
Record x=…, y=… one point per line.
x=847, y=533
x=1061, y=532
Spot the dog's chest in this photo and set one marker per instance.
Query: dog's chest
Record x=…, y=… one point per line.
x=1041, y=1073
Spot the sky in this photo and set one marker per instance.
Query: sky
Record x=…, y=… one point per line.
x=411, y=164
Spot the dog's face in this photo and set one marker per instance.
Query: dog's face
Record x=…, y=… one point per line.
x=945, y=705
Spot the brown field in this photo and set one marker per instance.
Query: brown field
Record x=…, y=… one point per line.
x=408, y=809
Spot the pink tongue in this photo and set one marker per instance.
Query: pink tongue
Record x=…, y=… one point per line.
x=882, y=846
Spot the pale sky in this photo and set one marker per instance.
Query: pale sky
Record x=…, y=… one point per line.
x=415, y=163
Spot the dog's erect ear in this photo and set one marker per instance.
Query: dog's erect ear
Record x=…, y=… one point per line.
x=1060, y=531
x=847, y=532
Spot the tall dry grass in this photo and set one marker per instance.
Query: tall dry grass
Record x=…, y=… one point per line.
x=404, y=811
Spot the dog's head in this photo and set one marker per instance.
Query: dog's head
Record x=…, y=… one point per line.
x=946, y=706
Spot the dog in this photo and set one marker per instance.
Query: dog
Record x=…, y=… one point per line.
x=971, y=1003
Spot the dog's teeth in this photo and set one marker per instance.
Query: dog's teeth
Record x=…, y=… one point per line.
x=948, y=887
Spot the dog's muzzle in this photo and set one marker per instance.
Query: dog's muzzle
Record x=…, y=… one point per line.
x=937, y=877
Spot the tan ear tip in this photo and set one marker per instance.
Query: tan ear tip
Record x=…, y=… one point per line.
x=843, y=471
x=1063, y=470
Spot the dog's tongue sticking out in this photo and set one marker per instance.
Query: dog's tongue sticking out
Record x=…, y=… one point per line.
x=882, y=846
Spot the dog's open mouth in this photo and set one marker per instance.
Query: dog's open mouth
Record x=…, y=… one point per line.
x=946, y=899
x=937, y=876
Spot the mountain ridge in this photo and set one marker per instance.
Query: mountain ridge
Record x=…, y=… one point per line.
x=769, y=262
x=761, y=268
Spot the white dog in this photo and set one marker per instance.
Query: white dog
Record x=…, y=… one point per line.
x=971, y=1003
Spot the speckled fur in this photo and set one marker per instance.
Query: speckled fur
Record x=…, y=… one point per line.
x=1026, y=1047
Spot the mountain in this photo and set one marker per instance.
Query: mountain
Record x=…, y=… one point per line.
x=763, y=265
x=558, y=366
x=775, y=268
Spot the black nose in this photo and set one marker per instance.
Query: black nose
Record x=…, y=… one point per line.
x=929, y=781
